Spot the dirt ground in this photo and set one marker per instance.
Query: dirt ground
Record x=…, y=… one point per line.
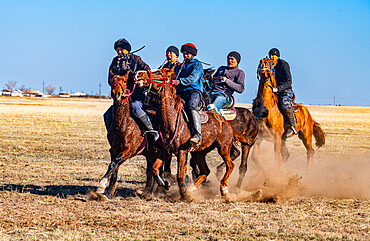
x=52, y=151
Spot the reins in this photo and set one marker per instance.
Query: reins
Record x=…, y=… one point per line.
x=126, y=92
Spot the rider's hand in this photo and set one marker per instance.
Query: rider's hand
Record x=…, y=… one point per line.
x=275, y=90
x=223, y=79
x=174, y=82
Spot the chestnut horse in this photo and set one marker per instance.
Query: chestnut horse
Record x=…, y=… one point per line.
x=244, y=123
x=175, y=134
x=126, y=141
x=271, y=121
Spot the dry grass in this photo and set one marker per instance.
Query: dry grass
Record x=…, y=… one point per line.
x=53, y=150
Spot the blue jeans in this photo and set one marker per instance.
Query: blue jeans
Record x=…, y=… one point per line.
x=219, y=100
x=192, y=99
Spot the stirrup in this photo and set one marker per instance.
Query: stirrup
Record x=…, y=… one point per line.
x=153, y=133
x=196, y=139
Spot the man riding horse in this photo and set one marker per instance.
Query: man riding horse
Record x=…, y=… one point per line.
x=172, y=53
x=189, y=87
x=226, y=80
x=284, y=89
x=129, y=62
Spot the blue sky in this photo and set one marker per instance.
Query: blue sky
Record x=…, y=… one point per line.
x=69, y=44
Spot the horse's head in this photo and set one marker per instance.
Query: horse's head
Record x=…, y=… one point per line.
x=155, y=80
x=119, y=88
x=207, y=73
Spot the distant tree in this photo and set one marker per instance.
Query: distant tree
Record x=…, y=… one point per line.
x=11, y=85
x=23, y=88
x=49, y=89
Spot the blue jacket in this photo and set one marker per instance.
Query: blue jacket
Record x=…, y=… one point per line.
x=190, y=77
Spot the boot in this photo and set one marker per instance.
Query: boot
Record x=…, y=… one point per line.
x=149, y=127
x=196, y=124
x=290, y=118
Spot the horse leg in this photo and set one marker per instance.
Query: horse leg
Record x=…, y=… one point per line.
x=243, y=164
x=156, y=170
x=148, y=191
x=284, y=151
x=167, y=168
x=195, y=172
x=234, y=153
x=181, y=172
x=254, y=156
x=225, y=153
x=114, y=164
x=277, y=149
x=109, y=191
x=307, y=142
x=199, y=159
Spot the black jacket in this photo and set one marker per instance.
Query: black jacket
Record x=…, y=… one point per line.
x=282, y=75
x=131, y=63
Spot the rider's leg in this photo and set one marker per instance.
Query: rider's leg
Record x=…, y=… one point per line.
x=219, y=100
x=191, y=104
x=285, y=103
x=138, y=112
x=108, y=117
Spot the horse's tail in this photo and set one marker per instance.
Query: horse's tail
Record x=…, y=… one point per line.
x=240, y=138
x=319, y=134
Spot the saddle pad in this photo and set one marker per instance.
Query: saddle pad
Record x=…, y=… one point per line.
x=295, y=106
x=203, y=116
x=229, y=114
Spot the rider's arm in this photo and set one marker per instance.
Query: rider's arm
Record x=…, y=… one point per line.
x=195, y=75
x=237, y=84
x=110, y=71
x=287, y=78
x=141, y=65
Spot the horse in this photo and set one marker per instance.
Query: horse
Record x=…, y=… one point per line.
x=271, y=122
x=245, y=123
x=175, y=133
x=126, y=141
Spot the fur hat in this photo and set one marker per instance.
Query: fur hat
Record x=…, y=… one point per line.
x=274, y=51
x=122, y=43
x=189, y=47
x=173, y=49
x=236, y=55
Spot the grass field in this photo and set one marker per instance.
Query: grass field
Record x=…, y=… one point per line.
x=53, y=150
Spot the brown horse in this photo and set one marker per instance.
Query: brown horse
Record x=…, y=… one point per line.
x=126, y=140
x=244, y=123
x=271, y=121
x=175, y=134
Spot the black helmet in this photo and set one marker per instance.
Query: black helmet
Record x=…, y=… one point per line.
x=122, y=43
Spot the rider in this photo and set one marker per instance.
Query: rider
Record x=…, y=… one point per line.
x=172, y=53
x=189, y=79
x=123, y=62
x=226, y=80
x=284, y=89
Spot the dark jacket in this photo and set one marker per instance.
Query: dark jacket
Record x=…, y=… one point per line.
x=190, y=77
x=132, y=63
x=168, y=65
x=234, y=80
x=282, y=75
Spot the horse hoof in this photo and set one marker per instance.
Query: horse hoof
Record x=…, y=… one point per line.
x=166, y=185
x=230, y=197
x=257, y=195
x=95, y=196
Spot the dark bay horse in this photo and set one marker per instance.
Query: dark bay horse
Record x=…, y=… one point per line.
x=126, y=140
x=271, y=121
x=175, y=134
x=244, y=123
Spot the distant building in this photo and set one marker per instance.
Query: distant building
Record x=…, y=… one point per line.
x=33, y=93
x=78, y=94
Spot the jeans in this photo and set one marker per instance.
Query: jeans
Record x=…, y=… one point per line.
x=192, y=99
x=219, y=100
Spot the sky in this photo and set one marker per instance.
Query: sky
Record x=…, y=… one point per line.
x=69, y=44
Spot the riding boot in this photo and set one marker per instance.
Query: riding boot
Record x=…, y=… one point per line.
x=149, y=127
x=290, y=118
x=196, y=124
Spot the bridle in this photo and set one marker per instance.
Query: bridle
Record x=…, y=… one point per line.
x=126, y=92
x=161, y=81
x=270, y=78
